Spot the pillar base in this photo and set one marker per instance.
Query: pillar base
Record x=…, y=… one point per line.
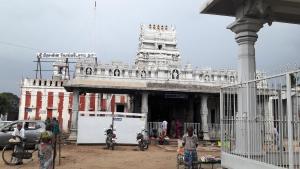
x=206, y=136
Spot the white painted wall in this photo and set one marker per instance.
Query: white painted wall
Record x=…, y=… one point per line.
x=91, y=128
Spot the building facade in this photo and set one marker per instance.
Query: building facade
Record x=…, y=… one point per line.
x=174, y=91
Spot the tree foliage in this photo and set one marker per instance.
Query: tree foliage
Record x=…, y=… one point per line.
x=9, y=103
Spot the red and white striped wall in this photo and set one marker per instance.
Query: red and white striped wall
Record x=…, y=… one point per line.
x=40, y=100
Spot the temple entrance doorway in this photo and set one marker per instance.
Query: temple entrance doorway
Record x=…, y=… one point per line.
x=169, y=107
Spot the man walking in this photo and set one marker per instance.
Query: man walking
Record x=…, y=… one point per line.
x=190, y=143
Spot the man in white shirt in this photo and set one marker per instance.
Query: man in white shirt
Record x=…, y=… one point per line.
x=19, y=135
x=164, y=126
x=19, y=131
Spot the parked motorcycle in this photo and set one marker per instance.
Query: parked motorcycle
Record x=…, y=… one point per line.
x=110, y=139
x=143, y=140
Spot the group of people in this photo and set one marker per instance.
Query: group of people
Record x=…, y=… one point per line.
x=46, y=146
x=175, y=128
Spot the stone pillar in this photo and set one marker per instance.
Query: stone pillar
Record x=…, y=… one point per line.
x=74, y=120
x=145, y=107
x=96, y=101
x=87, y=98
x=246, y=35
x=204, y=113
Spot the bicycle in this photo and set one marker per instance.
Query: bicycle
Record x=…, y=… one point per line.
x=9, y=155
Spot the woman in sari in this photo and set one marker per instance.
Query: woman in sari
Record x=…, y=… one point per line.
x=46, y=149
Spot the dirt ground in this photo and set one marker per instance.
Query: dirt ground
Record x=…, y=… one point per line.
x=123, y=157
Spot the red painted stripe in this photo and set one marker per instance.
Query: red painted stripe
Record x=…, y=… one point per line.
x=122, y=99
x=27, y=103
x=112, y=103
x=70, y=109
x=60, y=107
x=38, y=105
x=103, y=104
x=50, y=104
x=81, y=102
x=71, y=101
x=92, y=101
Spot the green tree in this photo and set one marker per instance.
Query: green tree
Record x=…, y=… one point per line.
x=9, y=104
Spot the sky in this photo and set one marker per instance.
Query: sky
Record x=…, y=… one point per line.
x=112, y=30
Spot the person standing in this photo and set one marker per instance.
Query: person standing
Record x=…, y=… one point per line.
x=190, y=143
x=48, y=121
x=164, y=126
x=178, y=129
x=19, y=135
x=55, y=131
x=46, y=149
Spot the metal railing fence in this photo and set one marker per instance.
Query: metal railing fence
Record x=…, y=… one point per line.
x=263, y=123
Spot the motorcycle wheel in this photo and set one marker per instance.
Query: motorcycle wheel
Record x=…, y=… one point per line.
x=107, y=143
x=112, y=146
x=141, y=146
x=146, y=146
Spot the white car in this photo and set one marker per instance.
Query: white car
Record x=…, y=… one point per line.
x=3, y=123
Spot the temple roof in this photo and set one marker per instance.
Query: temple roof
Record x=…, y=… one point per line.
x=287, y=11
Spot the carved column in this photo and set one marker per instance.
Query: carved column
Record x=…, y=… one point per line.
x=74, y=120
x=145, y=107
x=204, y=113
x=246, y=35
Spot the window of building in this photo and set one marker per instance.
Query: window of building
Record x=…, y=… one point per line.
x=45, y=83
x=116, y=72
x=88, y=71
x=40, y=82
x=34, y=82
x=159, y=47
x=120, y=107
x=175, y=74
x=60, y=70
x=206, y=78
x=143, y=74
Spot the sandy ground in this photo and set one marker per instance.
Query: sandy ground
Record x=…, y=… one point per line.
x=124, y=157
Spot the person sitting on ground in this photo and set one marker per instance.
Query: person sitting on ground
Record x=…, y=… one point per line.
x=18, y=136
x=190, y=143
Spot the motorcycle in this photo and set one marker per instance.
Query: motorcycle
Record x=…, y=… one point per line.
x=110, y=139
x=143, y=141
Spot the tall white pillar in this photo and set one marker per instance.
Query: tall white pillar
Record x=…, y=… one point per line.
x=97, y=102
x=246, y=129
x=87, y=102
x=145, y=106
x=74, y=120
x=204, y=113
